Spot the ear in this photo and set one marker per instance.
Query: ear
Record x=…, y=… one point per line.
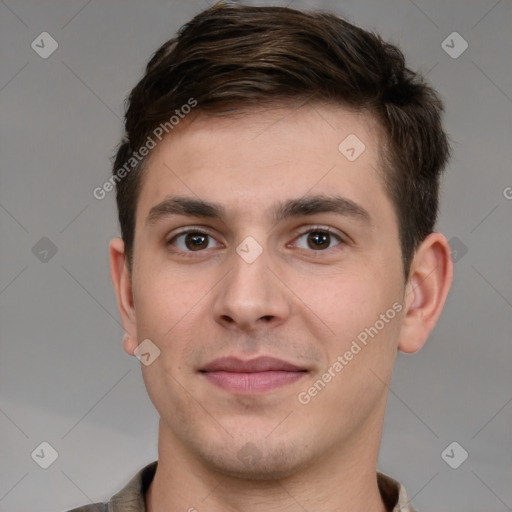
x=121, y=279
x=430, y=278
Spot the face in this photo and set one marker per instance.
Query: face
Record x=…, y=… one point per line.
x=276, y=306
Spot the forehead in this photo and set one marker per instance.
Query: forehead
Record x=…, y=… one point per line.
x=250, y=159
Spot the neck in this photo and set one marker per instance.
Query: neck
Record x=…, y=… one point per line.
x=345, y=480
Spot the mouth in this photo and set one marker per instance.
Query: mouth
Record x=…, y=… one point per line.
x=251, y=377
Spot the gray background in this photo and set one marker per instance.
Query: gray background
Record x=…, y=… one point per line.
x=64, y=377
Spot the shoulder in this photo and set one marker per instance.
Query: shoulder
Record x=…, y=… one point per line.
x=393, y=494
x=131, y=497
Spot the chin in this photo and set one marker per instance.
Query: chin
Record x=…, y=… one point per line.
x=255, y=461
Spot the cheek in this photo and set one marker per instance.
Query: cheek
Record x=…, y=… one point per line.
x=345, y=301
x=361, y=349
x=163, y=302
x=170, y=397
x=357, y=311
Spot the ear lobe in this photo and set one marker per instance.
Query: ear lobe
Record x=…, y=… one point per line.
x=429, y=282
x=129, y=344
x=121, y=280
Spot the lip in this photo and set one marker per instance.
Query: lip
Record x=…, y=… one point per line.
x=253, y=376
x=260, y=364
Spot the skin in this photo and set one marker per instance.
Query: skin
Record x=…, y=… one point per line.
x=296, y=302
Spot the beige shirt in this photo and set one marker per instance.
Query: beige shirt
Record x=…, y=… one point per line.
x=131, y=497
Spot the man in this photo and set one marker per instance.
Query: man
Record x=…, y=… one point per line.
x=277, y=192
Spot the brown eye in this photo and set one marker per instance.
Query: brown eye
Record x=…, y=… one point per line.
x=318, y=240
x=192, y=241
x=196, y=241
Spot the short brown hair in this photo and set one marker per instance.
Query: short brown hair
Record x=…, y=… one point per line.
x=232, y=57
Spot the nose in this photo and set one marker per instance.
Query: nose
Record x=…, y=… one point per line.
x=251, y=296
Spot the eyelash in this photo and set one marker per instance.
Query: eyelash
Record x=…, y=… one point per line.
x=202, y=231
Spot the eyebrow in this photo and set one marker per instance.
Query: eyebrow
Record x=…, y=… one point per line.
x=291, y=208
